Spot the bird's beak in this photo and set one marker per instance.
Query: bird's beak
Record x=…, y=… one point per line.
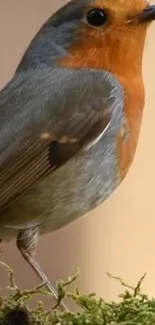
x=147, y=15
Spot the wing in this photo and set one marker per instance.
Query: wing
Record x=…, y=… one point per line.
x=46, y=117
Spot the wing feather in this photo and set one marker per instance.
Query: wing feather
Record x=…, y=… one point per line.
x=47, y=116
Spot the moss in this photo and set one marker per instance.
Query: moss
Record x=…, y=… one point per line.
x=133, y=308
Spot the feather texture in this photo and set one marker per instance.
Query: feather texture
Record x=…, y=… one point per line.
x=51, y=124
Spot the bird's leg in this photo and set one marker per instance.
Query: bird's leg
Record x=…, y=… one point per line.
x=27, y=240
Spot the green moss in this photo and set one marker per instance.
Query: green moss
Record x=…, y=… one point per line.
x=133, y=308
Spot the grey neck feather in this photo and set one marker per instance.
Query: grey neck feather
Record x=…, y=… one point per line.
x=58, y=33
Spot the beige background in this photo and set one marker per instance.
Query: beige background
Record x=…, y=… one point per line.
x=118, y=237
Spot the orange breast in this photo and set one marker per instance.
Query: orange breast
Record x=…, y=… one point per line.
x=134, y=104
x=130, y=79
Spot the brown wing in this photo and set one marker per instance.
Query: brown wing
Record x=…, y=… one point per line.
x=40, y=158
x=36, y=141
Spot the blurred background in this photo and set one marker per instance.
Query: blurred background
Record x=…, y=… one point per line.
x=119, y=236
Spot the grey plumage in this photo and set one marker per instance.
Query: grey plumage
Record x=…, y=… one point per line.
x=55, y=36
x=59, y=101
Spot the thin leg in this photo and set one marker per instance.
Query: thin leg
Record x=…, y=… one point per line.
x=27, y=240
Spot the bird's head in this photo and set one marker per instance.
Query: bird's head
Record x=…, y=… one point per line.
x=108, y=34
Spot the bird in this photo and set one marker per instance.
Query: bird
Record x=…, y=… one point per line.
x=70, y=118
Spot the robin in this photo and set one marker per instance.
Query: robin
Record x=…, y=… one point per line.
x=70, y=118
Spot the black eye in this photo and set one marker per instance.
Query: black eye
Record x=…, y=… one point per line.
x=96, y=17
